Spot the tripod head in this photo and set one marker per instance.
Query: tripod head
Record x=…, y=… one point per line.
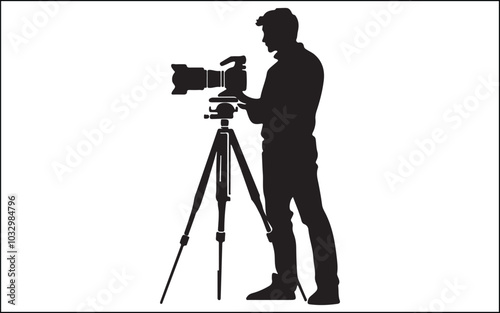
x=223, y=110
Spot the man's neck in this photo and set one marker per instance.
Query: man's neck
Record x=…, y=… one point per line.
x=288, y=49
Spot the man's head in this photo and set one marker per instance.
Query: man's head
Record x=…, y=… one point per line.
x=280, y=28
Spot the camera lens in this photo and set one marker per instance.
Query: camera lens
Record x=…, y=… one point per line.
x=197, y=78
x=215, y=78
x=194, y=78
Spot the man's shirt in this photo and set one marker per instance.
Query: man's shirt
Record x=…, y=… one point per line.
x=289, y=101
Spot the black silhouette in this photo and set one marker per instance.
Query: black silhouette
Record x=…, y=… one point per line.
x=197, y=78
x=287, y=110
x=234, y=79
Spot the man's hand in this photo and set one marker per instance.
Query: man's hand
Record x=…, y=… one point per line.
x=247, y=101
x=242, y=105
x=238, y=94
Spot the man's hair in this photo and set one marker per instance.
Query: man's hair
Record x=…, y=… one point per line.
x=282, y=21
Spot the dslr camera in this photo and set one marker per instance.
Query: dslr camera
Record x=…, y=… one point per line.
x=197, y=78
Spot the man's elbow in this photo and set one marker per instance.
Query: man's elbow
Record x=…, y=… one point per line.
x=254, y=118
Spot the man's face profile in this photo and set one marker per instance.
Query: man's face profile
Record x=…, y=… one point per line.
x=271, y=39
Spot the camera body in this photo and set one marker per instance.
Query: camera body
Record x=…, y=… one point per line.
x=196, y=78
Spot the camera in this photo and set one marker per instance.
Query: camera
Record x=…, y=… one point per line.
x=197, y=78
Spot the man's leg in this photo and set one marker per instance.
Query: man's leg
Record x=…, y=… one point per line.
x=308, y=199
x=279, y=216
x=278, y=195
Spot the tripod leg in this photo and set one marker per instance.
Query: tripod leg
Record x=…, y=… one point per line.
x=222, y=195
x=196, y=205
x=252, y=188
x=220, y=237
x=301, y=290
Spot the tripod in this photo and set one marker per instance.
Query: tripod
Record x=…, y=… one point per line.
x=221, y=153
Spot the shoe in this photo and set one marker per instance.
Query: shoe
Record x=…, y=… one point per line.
x=276, y=291
x=324, y=296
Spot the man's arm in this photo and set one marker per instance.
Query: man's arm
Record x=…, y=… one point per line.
x=256, y=108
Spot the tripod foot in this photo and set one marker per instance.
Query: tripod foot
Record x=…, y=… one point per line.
x=220, y=237
x=183, y=242
x=219, y=277
x=302, y=291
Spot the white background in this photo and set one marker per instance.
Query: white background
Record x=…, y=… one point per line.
x=125, y=207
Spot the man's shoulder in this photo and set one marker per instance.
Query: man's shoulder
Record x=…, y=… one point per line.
x=299, y=58
x=311, y=56
x=310, y=61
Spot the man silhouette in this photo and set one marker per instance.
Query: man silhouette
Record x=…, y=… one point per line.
x=287, y=110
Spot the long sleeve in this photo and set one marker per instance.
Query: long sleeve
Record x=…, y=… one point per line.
x=289, y=100
x=261, y=111
x=258, y=113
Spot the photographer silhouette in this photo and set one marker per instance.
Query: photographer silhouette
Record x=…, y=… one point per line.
x=287, y=109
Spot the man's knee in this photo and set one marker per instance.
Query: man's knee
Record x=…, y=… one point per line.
x=314, y=217
x=280, y=219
